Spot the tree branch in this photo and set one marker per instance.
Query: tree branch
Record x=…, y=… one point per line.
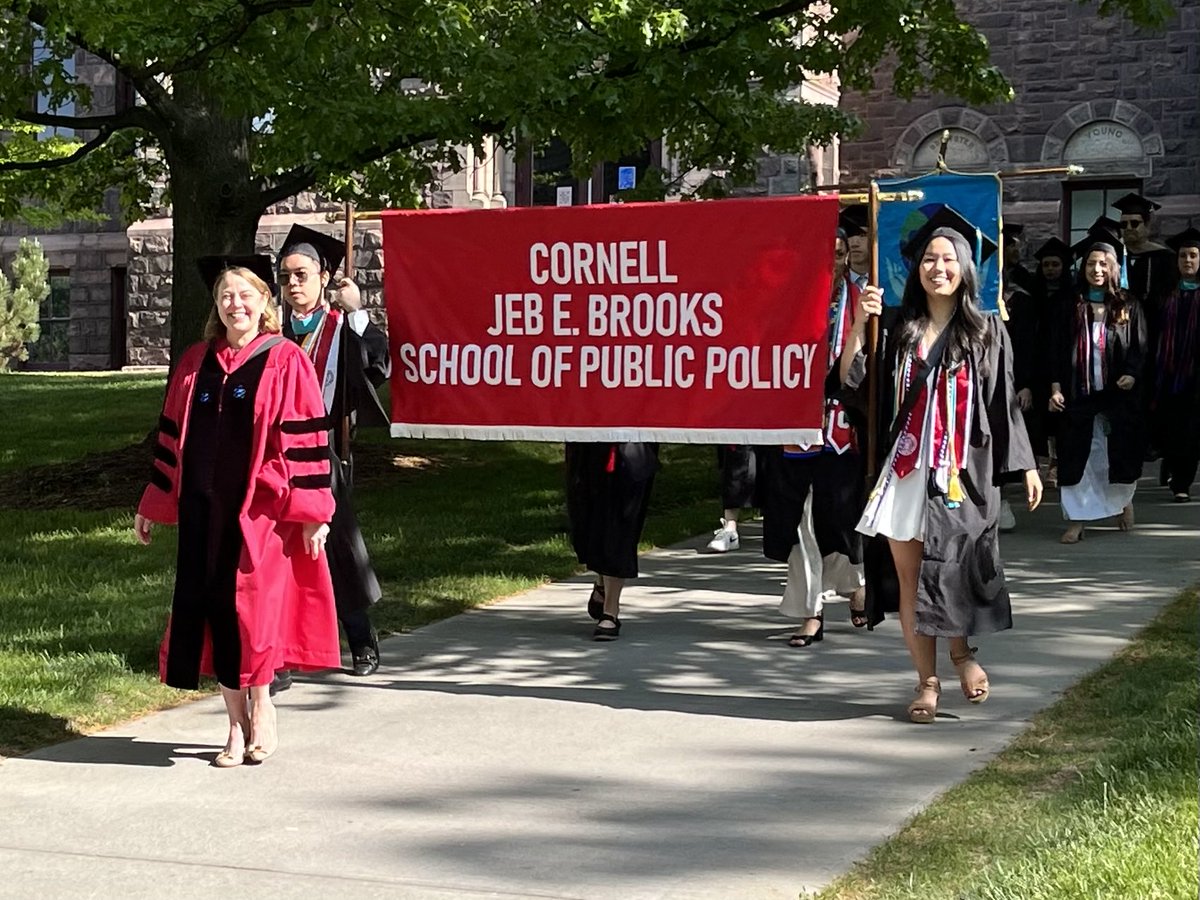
x=134, y=117
x=154, y=93
x=288, y=184
x=41, y=164
x=251, y=13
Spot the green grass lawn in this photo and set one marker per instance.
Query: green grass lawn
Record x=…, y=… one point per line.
x=1097, y=800
x=82, y=605
x=57, y=417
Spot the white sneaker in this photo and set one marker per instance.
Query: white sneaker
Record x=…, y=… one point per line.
x=1008, y=521
x=725, y=538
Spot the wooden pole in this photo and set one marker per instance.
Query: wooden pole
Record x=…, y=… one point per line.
x=873, y=336
x=348, y=265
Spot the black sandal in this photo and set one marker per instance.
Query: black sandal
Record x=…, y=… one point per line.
x=804, y=640
x=595, y=605
x=858, y=614
x=607, y=634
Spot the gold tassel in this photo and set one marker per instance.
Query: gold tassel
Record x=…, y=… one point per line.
x=954, y=491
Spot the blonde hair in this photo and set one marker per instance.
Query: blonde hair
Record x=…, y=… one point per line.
x=268, y=324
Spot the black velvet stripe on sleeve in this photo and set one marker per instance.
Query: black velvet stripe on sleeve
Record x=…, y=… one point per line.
x=168, y=427
x=315, y=482
x=307, y=454
x=306, y=426
x=164, y=455
x=159, y=480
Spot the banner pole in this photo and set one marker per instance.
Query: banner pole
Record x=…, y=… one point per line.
x=873, y=335
x=348, y=264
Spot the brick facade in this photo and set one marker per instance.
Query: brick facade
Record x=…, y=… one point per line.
x=1091, y=91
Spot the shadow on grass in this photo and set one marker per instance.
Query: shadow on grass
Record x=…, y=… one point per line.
x=21, y=729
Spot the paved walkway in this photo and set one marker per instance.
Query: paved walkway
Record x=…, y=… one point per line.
x=502, y=754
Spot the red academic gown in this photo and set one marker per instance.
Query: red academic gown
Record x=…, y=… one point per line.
x=242, y=462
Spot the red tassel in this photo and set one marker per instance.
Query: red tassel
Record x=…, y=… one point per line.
x=612, y=460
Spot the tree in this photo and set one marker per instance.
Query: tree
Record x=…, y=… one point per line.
x=247, y=102
x=20, y=301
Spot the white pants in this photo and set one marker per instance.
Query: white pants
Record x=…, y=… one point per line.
x=811, y=577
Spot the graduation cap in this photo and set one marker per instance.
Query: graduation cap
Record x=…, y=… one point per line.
x=211, y=268
x=944, y=221
x=1136, y=205
x=1054, y=247
x=1189, y=237
x=1099, y=238
x=325, y=250
x=1105, y=224
x=853, y=219
x=1012, y=230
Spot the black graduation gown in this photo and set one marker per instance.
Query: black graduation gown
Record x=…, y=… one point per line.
x=1176, y=403
x=608, y=493
x=1125, y=349
x=1024, y=328
x=1152, y=274
x=961, y=588
x=363, y=364
x=738, y=464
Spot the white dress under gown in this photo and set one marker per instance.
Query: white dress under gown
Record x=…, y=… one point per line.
x=1095, y=497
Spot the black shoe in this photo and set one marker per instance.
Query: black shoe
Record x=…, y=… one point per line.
x=281, y=682
x=366, y=659
x=595, y=605
x=806, y=640
x=607, y=634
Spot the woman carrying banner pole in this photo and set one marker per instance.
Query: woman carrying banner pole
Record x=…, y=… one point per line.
x=955, y=429
x=813, y=494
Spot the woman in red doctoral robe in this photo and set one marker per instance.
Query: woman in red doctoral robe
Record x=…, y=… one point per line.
x=242, y=466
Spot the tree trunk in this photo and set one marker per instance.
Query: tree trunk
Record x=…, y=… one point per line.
x=215, y=202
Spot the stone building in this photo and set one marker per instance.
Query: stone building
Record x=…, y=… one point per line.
x=1095, y=92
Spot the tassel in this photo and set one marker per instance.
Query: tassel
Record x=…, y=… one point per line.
x=611, y=466
x=954, y=491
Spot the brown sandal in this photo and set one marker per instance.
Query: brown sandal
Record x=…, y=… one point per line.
x=977, y=690
x=920, y=711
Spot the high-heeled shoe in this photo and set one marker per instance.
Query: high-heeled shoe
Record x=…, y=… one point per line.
x=1073, y=535
x=258, y=752
x=976, y=691
x=858, y=614
x=799, y=639
x=921, y=711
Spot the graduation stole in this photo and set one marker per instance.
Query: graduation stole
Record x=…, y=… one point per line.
x=323, y=345
x=838, y=437
x=1083, y=348
x=947, y=420
x=1177, y=343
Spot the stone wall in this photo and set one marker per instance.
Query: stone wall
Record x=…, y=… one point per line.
x=1088, y=90
x=148, y=309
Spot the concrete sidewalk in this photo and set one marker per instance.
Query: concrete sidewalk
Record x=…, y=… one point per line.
x=504, y=754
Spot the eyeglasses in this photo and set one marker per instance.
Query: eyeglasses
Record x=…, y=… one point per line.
x=299, y=275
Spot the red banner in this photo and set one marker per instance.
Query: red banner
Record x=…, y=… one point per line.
x=687, y=322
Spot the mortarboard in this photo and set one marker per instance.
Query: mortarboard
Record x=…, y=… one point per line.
x=1099, y=237
x=324, y=249
x=211, y=268
x=853, y=219
x=1189, y=237
x=1136, y=205
x=948, y=219
x=1054, y=247
x=1012, y=230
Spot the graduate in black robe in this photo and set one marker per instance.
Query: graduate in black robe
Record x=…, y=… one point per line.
x=954, y=431
x=1097, y=384
x=1175, y=386
x=1053, y=290
x=350, y=355
x=608, y=493
x=738, y=467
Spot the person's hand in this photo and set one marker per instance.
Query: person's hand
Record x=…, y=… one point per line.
x=870, y=303
x=1025, y=399
x=315, y=534
x=347, y=295
x=1033, y=488
x=1057, y=402
x=141, y=528
x=1125, y=382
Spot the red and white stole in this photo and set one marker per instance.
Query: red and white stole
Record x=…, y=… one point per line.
x=837, y=434
x=946, y=422
x=1085, y=371
x=323, y=345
